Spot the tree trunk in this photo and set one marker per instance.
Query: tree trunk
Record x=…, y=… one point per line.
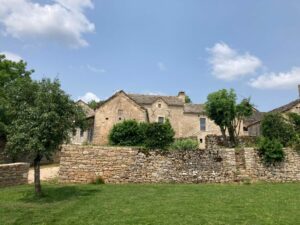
x=231, y=131
x=37, y=180
x=223, y=131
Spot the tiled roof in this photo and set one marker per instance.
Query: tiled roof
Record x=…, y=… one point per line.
x=255, y=117
x=194, y=108
x=150, y=99
x=286, y=107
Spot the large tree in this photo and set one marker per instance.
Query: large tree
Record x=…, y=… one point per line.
x=36, y=117
x=43, y=117
x=10, y=74
x=223, y=109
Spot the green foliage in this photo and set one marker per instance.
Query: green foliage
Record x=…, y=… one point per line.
x=11, y=75
x=184, y=144
x=271, y=150
x=159, y=135
x=43, y=117
x=127, y=133
x=295, y=144
x=294, y=119
x=221, y=107
x=275, y=126
x=93, y=104
x=187, y=99
x=149, y=135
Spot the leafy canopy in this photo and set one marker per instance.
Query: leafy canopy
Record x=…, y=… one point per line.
x=222, y=108
x=275, y=127
x=43, y=116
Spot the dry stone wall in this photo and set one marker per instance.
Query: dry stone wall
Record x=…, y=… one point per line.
x=82, y=164
x=286, y=171
x=13, y=174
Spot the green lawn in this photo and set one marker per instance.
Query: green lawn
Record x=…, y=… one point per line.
x=153, y=204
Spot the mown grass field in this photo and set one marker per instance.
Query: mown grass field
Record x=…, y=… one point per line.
x=152, y=204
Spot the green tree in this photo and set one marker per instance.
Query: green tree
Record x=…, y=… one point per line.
x=275, y=127
x=11, y=73
x=222, y=108
x=93, y=104
x=42, y=118
x=187, y=99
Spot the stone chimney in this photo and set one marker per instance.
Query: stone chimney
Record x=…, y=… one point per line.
x=299, y=90
x=181, y=96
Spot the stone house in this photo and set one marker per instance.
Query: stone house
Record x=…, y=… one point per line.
x=187, y=120
x=81, y=136
x=252, y=125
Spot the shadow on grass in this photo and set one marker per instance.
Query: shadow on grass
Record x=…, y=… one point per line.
x=51, y=194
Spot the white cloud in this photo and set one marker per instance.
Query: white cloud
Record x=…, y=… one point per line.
x=283, y=80
x=95, y=70
x=11, y=56
x=161, y=66
x=63, y=20
x=228, y=64
x=89, y=96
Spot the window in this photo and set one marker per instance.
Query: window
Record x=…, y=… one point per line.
x=201, y=140
x=161, y=119
x=159, y=105
x=203, y=124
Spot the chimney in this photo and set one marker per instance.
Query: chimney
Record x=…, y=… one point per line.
x=181, y=96
x=299, y=90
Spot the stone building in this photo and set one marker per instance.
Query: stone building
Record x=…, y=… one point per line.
x=252, y=125
x=187, y=120
x=81, y=136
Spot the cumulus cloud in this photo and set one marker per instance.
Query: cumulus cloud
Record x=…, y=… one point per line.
x=284, y=80
x=89, y=96
x=161, y=66
x=63, y=20
x=11, y=56
x=228, y=64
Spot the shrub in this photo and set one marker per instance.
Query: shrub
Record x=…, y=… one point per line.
x=275, y=126
x=127, y=133
x=159, y=135
x=271, y=150
x=296, y=143
x=184, y=144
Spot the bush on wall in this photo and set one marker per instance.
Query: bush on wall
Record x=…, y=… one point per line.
x=275, y=126
x=184, y=145
x=127, y=133
x=159, y=135
x=149, y=135
x=271, y=150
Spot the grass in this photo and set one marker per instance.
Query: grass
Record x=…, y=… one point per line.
x=161, y=204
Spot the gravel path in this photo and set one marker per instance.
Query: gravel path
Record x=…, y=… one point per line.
x=47, y=173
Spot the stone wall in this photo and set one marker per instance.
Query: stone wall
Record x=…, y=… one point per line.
x=286, y=171
x=82, y=164
x=13, y=174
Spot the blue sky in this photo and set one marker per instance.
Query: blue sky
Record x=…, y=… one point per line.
x=159, y=46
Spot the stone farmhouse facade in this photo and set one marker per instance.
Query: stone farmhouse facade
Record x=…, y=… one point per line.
x=188, y=120
x=252, y=125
